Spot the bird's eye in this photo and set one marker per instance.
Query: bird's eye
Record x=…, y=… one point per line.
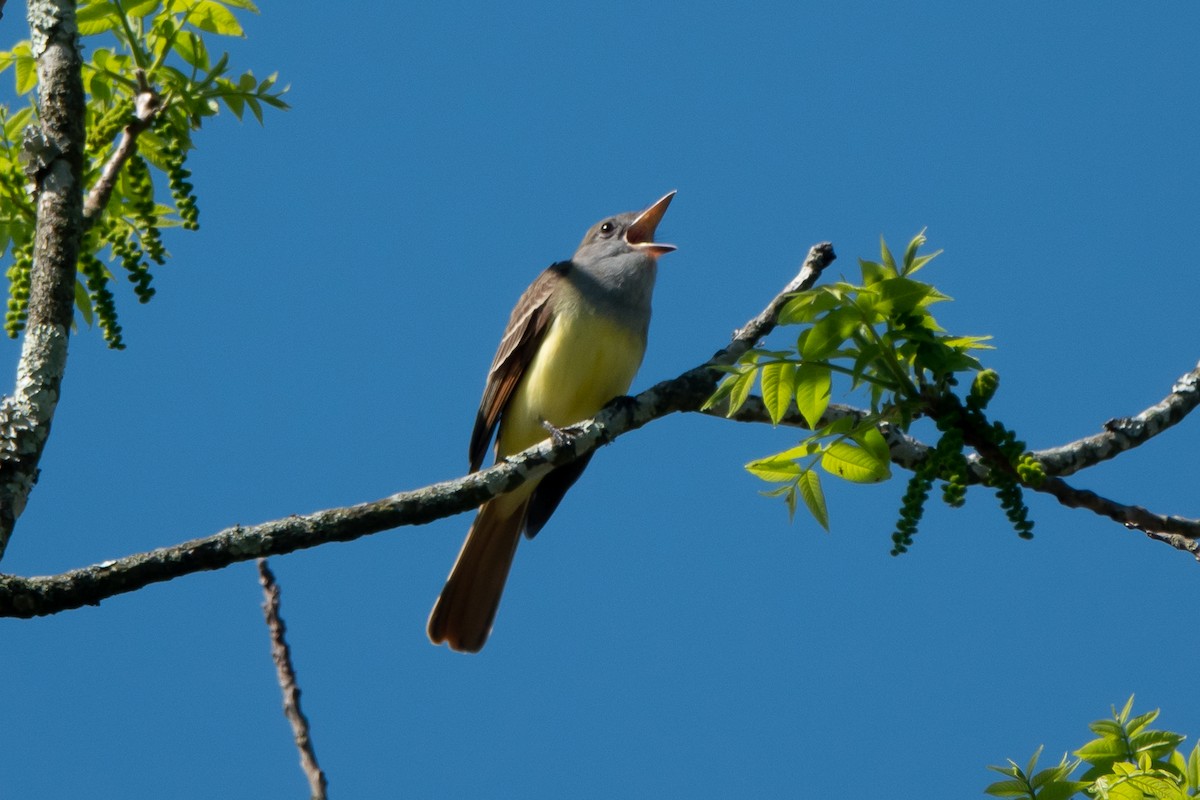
x=607, y=228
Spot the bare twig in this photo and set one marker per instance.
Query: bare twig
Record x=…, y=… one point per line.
x=146, y=107
x=1127, y=432
x=281, y=654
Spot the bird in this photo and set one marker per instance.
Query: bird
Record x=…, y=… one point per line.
x=574, y=342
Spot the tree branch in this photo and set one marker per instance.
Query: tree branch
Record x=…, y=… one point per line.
x=39, y=596
x=1119, y=435
x=1125, y=433
x=281, y=654
x=54, y=151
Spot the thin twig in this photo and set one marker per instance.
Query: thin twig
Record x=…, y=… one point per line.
x=282, y=655
x=146, y=107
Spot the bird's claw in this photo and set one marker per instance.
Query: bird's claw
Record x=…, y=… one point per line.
x=560, y=436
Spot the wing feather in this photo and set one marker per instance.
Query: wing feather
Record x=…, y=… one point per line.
x=526, y=326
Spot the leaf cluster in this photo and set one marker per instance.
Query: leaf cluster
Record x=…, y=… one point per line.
x=1127, y=761
x=150, y=74
x=880, y=338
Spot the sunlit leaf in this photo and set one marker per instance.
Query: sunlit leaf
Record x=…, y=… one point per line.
x=910, y=252
x=813, y=386
x=83, y=302
x=872, y=271
x=213, y=17
x=24, y=67
x=778, y=383
x=775, y=468
x=1135, y=725
x=809, y=486
x=94, y=18
x=886, y=258
x=1008, y=788
x=806, y=306
x=1156, y=743
x=873, y=442
x=828, y=333
x=740, y=390
x=853, y=463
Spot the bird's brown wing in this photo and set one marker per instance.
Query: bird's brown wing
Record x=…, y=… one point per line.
x=528, y=324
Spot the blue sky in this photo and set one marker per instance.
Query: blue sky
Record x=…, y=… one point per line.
x=323, y=341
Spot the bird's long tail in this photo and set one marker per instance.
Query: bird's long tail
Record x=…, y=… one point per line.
x=463, y=614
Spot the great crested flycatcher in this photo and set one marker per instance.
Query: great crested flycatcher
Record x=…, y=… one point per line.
x=574, y=342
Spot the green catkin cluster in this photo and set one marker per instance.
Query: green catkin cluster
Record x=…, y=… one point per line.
x=1007, y=485
x=123, y=241
x=947, y=461
x=18, y=289
x=95, y=276
x=983, y=389
x=174, y=156
x=102, y=131
x=142, y=189
x=912, y=507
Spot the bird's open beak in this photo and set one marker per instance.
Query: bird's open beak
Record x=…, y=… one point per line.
x=640, y=234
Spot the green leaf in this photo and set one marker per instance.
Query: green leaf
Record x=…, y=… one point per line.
x=910, y=252
x=140, y=8
x=723, y=388
x=778, y=383
x=813, y=383
x=213, y=17
x=1107, y=727
x=1135, y=725
x=1009, y=788
x=809, y=486
x=1102, y=750
x=740, y=390
x=94, y=18
x=1032, y=765
x=872, y=272
x=827, y=334
x=1124, y=715
x=1193, y=767
x=902, y=295
x=25, y=68
x=885, y=256
x=192, y=50
x=1062, y=790
x=853, y=463
x=775, y=469
x=806, y=306
x=243, y=4
x=873, y=442
x=83, y=302
x=236, y=104
x=1156, y=743
x=921, y=261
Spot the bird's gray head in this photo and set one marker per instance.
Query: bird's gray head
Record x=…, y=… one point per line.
x=631, y=233
x=617, y=261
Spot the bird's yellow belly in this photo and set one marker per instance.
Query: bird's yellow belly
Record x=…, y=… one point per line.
x=583, y=362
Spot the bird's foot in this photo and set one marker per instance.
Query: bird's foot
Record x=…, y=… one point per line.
x=560, y=436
